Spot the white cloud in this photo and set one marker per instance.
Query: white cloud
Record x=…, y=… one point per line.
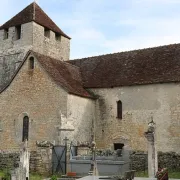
x=104, y=26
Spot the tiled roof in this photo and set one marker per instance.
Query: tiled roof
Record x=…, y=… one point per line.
x=33, y=13
x=64, y=74
x=145, y=66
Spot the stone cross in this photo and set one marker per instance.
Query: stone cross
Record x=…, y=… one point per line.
x=152, y=153
x=93, y=170
x=62, y=130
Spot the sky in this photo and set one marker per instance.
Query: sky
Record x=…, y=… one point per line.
x=107, y=26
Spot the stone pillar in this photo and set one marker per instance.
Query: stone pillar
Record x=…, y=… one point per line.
x=24, y=162
x=126, y=150
x=152, y=153
x=93, y=170
x=22, y=172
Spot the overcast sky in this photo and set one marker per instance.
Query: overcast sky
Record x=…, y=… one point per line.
x=107, y=26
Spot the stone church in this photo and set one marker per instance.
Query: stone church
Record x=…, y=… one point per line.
x=45, y=96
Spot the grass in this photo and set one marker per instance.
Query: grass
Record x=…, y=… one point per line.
x=172, y=174
x=34, y=176
x=2, y=174
x=141, y=174
x=5, y=173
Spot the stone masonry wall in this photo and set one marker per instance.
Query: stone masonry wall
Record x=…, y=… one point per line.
x=139, y=104
x=41, y=160
x=9, y=63
x=139, y=161
x=11, y=43
x=50, y=46
x=8, y=160
x=170, y=160
x=80, y=117
x=32, y=94
x=13, y=51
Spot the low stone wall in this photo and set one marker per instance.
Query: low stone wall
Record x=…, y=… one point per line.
x=41, y=160
x=170, y=160
x=8, y=160
x=139, y=161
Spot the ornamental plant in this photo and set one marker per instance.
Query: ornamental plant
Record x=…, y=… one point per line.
x=162, y=174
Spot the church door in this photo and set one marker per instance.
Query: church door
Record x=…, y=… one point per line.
x=25, y=128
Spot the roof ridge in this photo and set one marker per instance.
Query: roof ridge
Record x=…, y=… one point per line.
x=58, y=60
x=128, y=51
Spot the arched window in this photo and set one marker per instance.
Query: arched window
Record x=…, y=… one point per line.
x=25, y=128
x=119, y=109
x=31, y=63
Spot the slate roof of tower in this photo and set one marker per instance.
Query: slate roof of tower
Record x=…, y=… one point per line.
x=63, y=74
x=33, y=13
x=145, y=66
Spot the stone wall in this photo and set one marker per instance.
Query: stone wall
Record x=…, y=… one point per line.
x=41, y=160
x=49, y=107
x=170, y=160
x=8, y=160
x=12, y=51
x=139, y=104
x=35, y=95
x=9, y=62
x=139, y=161
x=80, y=117
x=11, y=43
x=50, y=46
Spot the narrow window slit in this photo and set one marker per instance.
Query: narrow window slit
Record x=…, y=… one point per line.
x=119, y=109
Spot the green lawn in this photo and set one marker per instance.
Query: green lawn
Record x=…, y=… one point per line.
x=35, y=177
x=1, y=174
x=141, y=174
x=174, y=175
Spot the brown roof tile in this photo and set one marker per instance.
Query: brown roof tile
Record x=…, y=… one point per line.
x=64, y=74
x=145, y=66
x=33, y=13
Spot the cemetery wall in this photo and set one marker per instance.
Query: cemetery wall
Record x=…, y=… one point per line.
x=8, y=160
x=170, y=160
x=41, y=160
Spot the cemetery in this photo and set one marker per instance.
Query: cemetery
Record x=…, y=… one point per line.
x=85, y=161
